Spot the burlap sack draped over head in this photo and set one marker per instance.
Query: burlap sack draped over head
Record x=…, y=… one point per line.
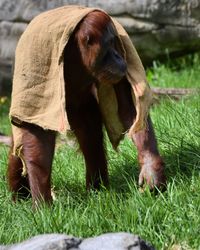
x=38, y=95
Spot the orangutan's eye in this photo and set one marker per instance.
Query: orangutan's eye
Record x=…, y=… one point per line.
x=89, y=41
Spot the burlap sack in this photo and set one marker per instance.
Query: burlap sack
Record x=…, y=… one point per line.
x=38, y=95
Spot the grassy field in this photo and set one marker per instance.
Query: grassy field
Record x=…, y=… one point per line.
x=166, y=220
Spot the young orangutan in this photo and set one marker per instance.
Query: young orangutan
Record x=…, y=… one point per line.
x=90, y=57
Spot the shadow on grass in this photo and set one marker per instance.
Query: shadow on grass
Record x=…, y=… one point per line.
x=122, y=176
x=181, y=163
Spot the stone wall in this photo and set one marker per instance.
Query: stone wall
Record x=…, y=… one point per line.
x=156, y=27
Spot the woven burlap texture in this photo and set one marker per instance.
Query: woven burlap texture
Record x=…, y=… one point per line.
x=38, y=94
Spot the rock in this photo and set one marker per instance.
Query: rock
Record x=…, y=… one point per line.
x=157, y=28
x=115, y=241
x=109, y=241
x=9, y=35
x=47, y=242
x=23, y=11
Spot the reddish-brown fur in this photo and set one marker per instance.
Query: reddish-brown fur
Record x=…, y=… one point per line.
x=90, y=57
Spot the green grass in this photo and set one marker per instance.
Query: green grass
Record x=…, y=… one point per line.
x=180, y=73
x=166, y=219
x=4, y=110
